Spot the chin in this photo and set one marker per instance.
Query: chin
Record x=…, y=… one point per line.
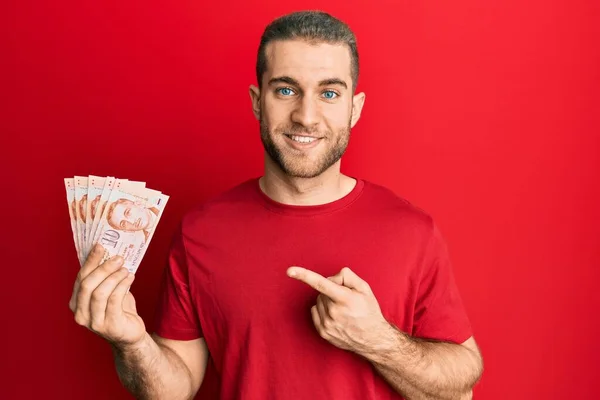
x=303, y=175
x=303, y=171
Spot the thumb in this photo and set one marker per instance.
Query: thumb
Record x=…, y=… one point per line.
x=337, y=278
x=353, y=281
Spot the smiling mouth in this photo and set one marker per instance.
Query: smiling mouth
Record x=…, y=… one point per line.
x=303, y=139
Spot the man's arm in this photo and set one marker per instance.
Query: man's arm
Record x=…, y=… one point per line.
x=348, y=316
x=159, y=368
x=420, y=369
x=150, y=368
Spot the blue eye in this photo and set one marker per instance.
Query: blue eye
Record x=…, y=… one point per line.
x=285, y=91
x=330, y=95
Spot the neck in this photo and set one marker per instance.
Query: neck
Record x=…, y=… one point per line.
x=330, y=186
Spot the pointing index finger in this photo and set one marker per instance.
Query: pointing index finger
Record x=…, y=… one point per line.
x=319, y=283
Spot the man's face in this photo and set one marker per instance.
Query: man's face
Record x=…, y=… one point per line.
x=306, y=106
x=129, y=216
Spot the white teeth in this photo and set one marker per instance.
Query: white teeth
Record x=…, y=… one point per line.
x=303, y=139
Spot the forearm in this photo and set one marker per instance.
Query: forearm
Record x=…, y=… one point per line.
x=419, y=369
x=151, y=371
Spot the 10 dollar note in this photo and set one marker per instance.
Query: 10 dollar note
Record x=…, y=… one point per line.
x=119, y=214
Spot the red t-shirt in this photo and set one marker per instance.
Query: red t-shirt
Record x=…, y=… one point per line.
x=226, y=282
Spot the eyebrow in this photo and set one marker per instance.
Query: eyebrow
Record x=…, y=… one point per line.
x=333, y=81
x=291, y=81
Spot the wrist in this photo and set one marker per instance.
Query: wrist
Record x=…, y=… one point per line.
x=386, y=341
x=125, y=348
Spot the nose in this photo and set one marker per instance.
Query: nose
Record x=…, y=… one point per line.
x=307, y=112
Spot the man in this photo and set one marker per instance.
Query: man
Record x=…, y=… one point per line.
x=305, y=283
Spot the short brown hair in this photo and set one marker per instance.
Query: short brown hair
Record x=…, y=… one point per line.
x=314, y=27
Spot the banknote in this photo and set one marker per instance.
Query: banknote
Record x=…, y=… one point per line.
x=119, y=213
x=128, y=222
x=95, y=189
x=100, y=204
x=81, y=190
x=110, y=184
x=70, y=188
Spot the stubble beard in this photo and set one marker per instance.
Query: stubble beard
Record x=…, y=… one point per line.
x=297, y=165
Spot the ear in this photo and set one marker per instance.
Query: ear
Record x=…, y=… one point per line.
x=358, y=102
x=255, y=97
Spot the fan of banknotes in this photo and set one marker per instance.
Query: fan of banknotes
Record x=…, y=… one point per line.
x=120, y=214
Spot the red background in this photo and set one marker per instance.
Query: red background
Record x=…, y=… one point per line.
x=484, y=113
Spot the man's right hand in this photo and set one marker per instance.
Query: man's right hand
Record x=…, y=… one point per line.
x=101, y=300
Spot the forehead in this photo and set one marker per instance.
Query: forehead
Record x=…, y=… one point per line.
x=308, y=62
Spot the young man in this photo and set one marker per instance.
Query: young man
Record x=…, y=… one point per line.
x=304, y=283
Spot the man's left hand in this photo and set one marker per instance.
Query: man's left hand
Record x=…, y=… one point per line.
x=347, y=313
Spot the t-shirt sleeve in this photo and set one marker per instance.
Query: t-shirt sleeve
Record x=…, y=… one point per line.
x=176, y=317
x=439, y=310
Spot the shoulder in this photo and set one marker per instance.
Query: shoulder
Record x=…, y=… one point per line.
x=408, y=221
x=218, y=208
x=390, y=204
